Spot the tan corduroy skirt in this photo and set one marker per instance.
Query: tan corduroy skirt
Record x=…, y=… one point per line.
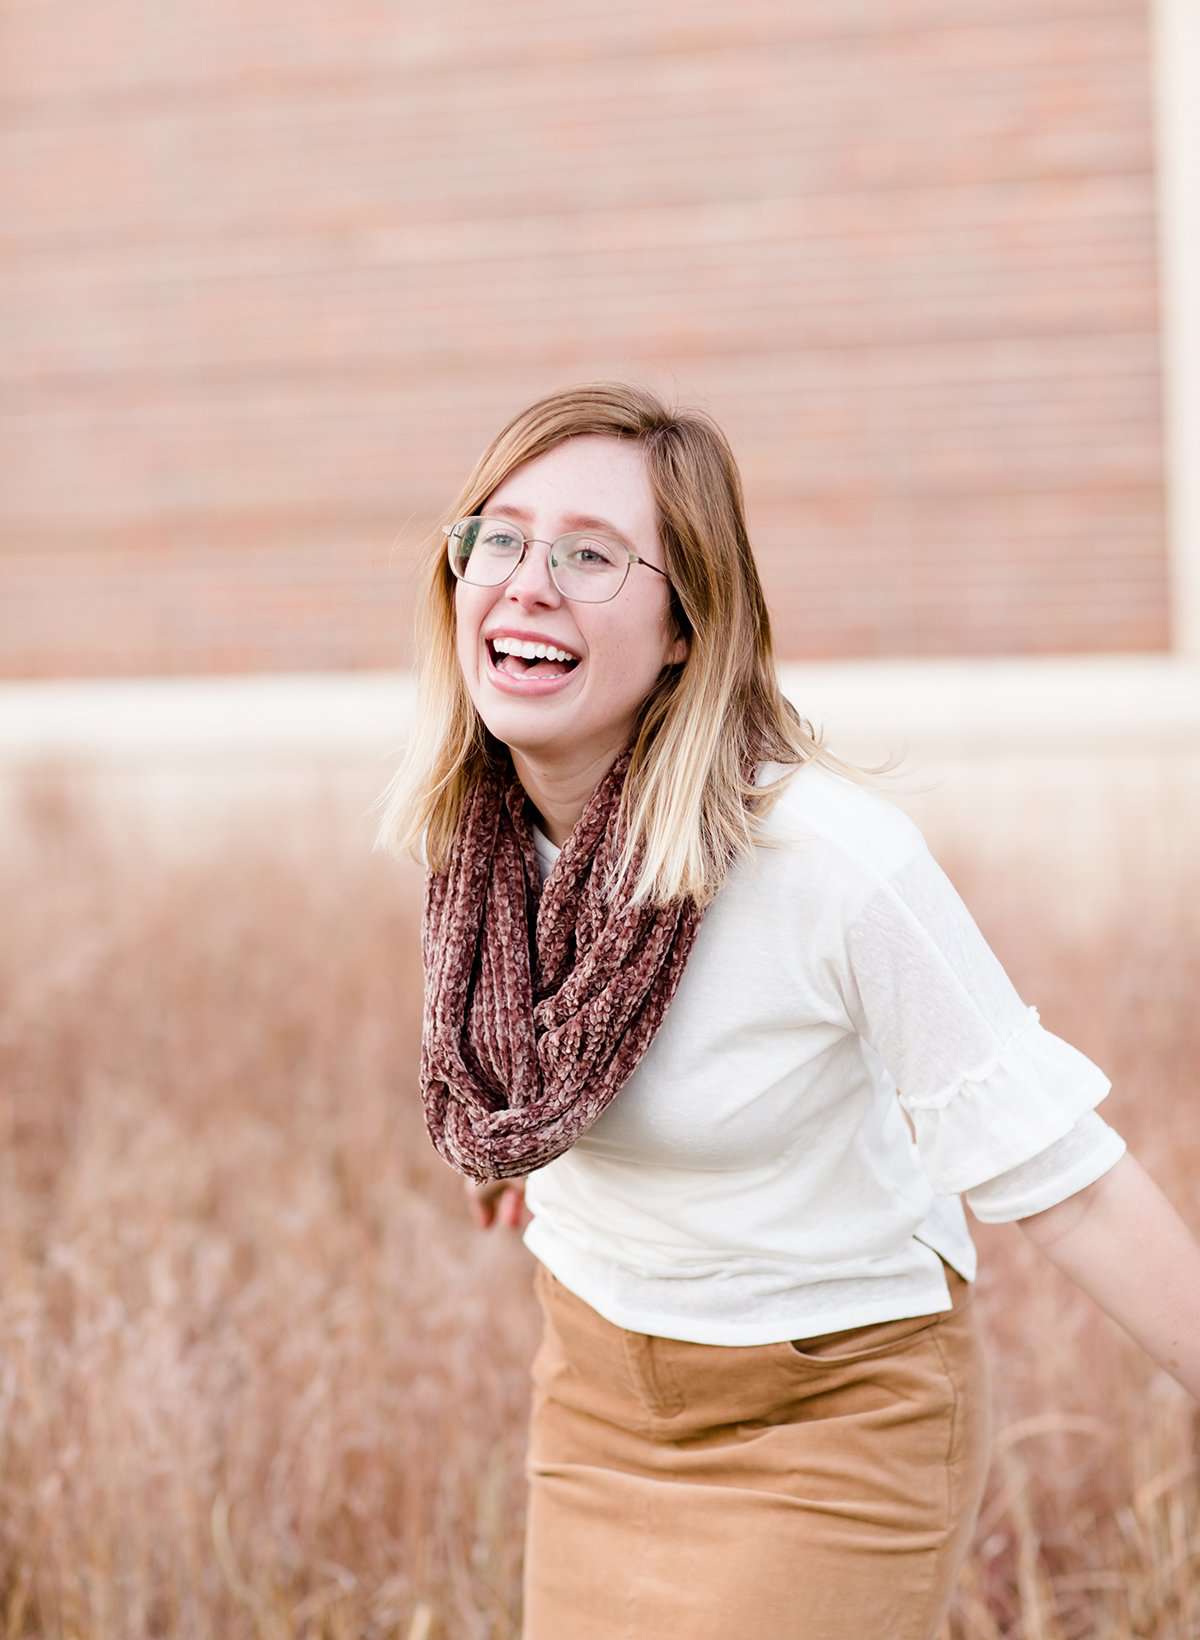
x=822, y=1489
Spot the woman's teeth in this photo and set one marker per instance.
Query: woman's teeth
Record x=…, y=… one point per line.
x=519, y=658
x=531, y=651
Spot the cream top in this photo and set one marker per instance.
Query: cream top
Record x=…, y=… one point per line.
x=755, y=1179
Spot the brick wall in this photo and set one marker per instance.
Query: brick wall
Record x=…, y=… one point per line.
x=273, y=276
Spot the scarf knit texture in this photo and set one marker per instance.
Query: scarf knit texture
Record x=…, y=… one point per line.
x=540, y=999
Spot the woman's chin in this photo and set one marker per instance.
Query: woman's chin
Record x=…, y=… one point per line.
x=520, y=735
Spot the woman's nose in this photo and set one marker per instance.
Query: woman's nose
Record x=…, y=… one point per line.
x=532, y=577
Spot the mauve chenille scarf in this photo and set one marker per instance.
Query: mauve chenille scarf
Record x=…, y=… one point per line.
x=539, y=998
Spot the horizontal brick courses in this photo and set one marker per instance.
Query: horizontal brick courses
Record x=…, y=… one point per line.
x=270, y=280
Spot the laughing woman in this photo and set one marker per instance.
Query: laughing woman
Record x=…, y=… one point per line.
x=689, y=978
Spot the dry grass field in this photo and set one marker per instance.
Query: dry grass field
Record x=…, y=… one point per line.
x=259, y=1373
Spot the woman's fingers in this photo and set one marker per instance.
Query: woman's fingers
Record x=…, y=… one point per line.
x=498, y=1201
x=516, y=1212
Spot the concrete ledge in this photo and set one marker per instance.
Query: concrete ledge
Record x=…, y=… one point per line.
x=868, y=710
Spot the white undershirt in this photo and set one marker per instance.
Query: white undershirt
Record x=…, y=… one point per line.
x=755, y=1179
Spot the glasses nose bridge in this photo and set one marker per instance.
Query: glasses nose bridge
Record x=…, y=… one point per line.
x=527, y=542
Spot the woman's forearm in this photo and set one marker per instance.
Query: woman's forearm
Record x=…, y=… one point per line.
x=1124, y=1244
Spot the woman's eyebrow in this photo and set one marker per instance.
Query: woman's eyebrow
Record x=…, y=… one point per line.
x=573, y=521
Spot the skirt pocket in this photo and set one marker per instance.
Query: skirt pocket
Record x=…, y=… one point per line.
x=850, y=1345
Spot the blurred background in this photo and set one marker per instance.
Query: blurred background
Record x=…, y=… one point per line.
x=272, y=279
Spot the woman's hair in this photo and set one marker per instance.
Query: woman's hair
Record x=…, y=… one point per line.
x=684, y=795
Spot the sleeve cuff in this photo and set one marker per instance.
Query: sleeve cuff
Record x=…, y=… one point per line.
x=1079, y=1159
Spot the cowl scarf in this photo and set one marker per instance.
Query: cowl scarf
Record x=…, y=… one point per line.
x=540, y=999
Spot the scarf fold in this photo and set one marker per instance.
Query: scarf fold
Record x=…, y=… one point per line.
x=540, y=999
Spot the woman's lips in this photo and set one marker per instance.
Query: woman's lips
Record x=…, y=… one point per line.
x=513, y=685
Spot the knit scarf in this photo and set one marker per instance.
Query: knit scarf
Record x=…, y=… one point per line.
x=540, y=999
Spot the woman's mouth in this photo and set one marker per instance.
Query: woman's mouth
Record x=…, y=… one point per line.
x=517, y=676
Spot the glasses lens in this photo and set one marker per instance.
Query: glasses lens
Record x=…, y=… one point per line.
x=483, y=550
x=589, y=568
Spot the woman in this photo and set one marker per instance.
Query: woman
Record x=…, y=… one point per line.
x=761, y=1396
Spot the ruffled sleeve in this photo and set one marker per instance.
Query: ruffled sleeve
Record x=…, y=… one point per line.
x=1079, y=1158
x=986, y=1086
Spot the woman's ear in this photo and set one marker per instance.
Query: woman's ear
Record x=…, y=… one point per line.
x=678, y=623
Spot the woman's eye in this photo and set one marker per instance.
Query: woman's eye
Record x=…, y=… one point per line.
x=593, y=555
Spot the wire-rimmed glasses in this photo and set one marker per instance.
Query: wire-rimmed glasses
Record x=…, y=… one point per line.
x=586, y=566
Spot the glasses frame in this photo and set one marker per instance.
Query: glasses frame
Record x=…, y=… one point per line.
x=528, y=541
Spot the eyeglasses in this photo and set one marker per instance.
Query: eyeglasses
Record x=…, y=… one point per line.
x=586, y=567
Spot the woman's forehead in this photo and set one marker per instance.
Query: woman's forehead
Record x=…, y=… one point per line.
x=582, y=483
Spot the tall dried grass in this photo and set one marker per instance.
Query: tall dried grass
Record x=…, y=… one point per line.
x=261, y=1376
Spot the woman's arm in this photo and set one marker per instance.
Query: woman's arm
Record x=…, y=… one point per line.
x=1124, y=1244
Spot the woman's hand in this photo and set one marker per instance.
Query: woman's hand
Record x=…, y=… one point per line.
x=499, y=1201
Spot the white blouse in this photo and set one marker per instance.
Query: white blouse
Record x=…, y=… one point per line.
x=755, y=1179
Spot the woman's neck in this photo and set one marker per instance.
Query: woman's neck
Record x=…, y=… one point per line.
x=559, y=794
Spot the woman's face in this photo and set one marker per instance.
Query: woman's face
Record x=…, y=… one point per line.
x=623, y=644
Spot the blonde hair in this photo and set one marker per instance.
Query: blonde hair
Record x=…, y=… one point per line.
x=684, y=796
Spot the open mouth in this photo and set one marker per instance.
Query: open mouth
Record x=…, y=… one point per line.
x=516, y=666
